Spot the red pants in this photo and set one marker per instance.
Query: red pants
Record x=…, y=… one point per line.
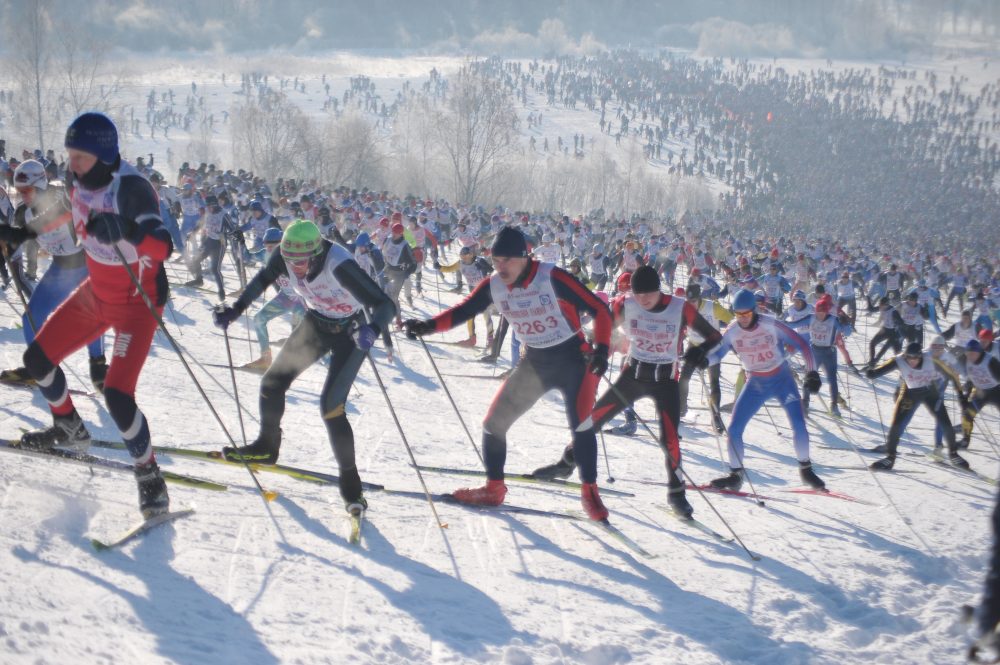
x=81, y=318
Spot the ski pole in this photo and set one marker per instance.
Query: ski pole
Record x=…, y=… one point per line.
x=451, y=399
x=406, y=444
x=15, y=277
x=266, y=495
x=687, y=478
x=604, y=447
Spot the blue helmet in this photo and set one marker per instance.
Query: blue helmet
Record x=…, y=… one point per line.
x=759, y=296
x=256, y=205
x=744, y=301
x=272, y=235
x=363, y=240
x=799, y=295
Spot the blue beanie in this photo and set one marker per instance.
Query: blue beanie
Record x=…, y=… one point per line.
x=510, y=243
x=94, y=133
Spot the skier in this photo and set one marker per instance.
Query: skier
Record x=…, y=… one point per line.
x=399, y=265
x=655, y=324
x=115, y=212
x=338, y=297
x=822, y=329
x=888, y=332
x=919, y=371
x=218, y=225
x=983, y=372
x=287, y=300
x=44, y=214
x=475, y=269
x=542, y=303
x=759, y=342
x=715, y=314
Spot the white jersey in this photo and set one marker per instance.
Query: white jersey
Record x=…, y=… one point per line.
x=707, y=311
x=963, y=335
x=917, y=377
x=911, y=314
x=654, y=337
x=792, y=315
x=821, y=333
x=759, y=349
x=548, y=253
x=979, y=373
x=191, y=206
x=324, y=294
x=533, y=309
x=846, y=290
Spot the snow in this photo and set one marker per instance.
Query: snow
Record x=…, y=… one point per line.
x=242, y=581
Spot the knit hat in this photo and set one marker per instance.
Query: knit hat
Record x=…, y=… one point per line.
x=510, y=243
x=645, y=280
x=94, y=133
x=974, y=345
x=300, y=241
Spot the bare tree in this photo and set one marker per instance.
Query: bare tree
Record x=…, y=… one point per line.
x=88, y=79
x=477, y=132
x=270, y=136
x=30, y=39
x=352, y=152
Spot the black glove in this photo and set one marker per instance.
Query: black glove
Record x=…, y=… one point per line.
x=599, y=360
x=416, y=328
x=108, y=227
x=12, y=235
x=869, y=373
x=812, y=382
x=844, y=319
x=238, y=236
x=696, y=356
x=223, y=315
x=437, y=266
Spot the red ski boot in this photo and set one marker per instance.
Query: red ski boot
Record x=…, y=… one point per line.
x=490, y=494
x=592, y=504
x=470, y=342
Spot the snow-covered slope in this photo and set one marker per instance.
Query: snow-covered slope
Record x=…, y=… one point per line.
x=245, y=582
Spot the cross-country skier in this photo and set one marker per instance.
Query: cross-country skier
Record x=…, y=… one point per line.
x=114, y=211
x=655, y=324
x=543, y=304
x=983, y=372
x=338, y=297
x=919, y=371
x=44, y=214
x=474, y=269
x=821, y=330
x=760, y=343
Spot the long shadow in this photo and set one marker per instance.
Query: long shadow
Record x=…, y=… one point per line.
x=449, y=610
x=190, y=625
x=727, y=632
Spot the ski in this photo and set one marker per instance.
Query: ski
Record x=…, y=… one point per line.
x=216, y=456
x=700, y=526
x=140, y=528
x=737, y=493
x=905, y=472
x=32, y=386
x=941, y=461
x=519, y=477
x=620, y=536
x=475, y=376
x=240, y=368
x=829, y=493
x=357, y=521
x=86, y=459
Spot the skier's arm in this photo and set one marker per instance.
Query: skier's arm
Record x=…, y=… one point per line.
x=475, y=303
x=789, y=337
x=450, y=267
x=138, y=203
x=697, y=322
x=948, y=374
x=569, y=290
x=882, y=370
x=367, y=292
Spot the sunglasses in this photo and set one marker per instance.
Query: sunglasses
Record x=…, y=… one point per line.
x=744, y=314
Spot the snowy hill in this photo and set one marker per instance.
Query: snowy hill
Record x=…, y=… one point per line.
x=876, y=580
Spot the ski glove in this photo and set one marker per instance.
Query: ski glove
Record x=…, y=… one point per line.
x=223, y=315
x=364, y=336
x=416, y=328
x=599, y=360
x=12, y=235
x=812, y=382
x=696, y=356
x=108, y=227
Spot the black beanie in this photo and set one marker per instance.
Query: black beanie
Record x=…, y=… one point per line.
x=510, y=243
x=645, y=280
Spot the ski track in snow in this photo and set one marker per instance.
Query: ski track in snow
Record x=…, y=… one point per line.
x=839, y=582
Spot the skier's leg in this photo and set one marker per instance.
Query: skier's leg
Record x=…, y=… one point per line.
x=344, y=366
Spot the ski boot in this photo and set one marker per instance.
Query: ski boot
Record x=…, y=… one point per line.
x=98, y=372
x=627, y=428
x=809, y=476
x=66, y=432
x=881, y=448
x=958, y=461
x=197, y=281
x=717, y=423
x=262, y=451
x=490, y=494
x=734, y=481
x=261, y=363
x=153, y=497
x=561, y=469
x=835, y=411
x=356, y=506
x=470, y=342
x=18, y=376
x=457, y=289
x=590, y=498
x=677, y=498
x=884, y=464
